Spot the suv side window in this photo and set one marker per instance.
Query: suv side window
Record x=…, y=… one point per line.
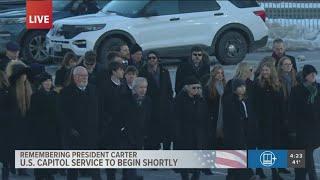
x=189, y=6
x=164, y=7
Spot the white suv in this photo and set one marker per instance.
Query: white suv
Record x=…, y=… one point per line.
x=227, y=29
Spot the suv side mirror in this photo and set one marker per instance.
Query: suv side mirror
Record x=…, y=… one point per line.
x=150, y=13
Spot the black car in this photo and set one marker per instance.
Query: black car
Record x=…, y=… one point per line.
x=12, y=25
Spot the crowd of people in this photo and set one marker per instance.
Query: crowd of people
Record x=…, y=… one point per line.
x=127, y=103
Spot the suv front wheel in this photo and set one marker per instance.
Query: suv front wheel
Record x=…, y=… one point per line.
x=34, y=47
x=231, y=48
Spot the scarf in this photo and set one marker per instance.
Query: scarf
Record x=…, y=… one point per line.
x=220, y=90
x=313, y=90
x=287, y=80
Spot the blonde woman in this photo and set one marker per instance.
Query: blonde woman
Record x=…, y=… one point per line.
x=244, y=72
x=268, y=108
x=213, y=93
x=267, y=59
x=287, y=78
x=19, y=103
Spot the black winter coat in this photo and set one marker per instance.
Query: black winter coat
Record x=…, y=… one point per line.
x=19, y=135
x=162, y=99
x=249, y=87
x=305, y=117
x=4, y=125
x=136, y=120
x=186, y=69
x=239, y=131
x=93, y=76
x=79, y=112
x=112, y=99
x=213, y=106
x=62, y=76
x=191, y=117
x=44, y=122
x=268, y=107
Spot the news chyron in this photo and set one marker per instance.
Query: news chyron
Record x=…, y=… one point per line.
x=39, y=14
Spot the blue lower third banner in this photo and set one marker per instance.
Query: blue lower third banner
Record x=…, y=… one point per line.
x=268, y=159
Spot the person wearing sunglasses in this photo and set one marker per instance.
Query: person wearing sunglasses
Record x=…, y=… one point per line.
x=191, y=114
x=160, y=91
x=195, y=66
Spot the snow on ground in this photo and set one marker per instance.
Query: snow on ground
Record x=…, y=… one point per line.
x=298, y=33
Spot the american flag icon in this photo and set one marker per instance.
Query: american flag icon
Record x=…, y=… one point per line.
x=231, y=159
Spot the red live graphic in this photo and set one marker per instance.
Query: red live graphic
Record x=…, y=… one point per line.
x=39, y=14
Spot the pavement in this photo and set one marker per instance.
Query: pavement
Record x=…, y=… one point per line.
x=305, y=57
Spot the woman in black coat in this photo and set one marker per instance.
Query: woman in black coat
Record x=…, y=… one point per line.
x=268, y=106
x=161, y=93
x=4, y=126
x=191, y=113
x=44, y=122
x=304, y=108
x=20, y=92
x=239, y=125
x=213, y=94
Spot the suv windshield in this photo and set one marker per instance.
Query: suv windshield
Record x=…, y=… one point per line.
x=125, y=8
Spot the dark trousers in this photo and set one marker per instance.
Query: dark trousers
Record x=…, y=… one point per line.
x=310, y=168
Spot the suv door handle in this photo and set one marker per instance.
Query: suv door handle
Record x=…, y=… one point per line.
x=218, y=14
x=175, y=19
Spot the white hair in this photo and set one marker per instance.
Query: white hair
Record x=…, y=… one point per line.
x=137, y=82
x=78, y=69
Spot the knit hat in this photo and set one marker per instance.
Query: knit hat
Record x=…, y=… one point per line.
x=35, y=70
x=44, y=76
x=135, y=48
x=237, y=83
x=190, y=80
x=12, y=46
x=308, y=69
x=15, y=70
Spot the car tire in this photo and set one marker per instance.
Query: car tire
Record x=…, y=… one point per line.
x=231, y=48
x=105, y=47
x=34, y=47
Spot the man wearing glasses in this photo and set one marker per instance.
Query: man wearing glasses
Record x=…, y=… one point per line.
x=195, y=66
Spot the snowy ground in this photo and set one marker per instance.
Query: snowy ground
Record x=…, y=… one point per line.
x=297, y=23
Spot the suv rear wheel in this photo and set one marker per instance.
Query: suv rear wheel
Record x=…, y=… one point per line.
x=34, y=47
x=231, y=48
